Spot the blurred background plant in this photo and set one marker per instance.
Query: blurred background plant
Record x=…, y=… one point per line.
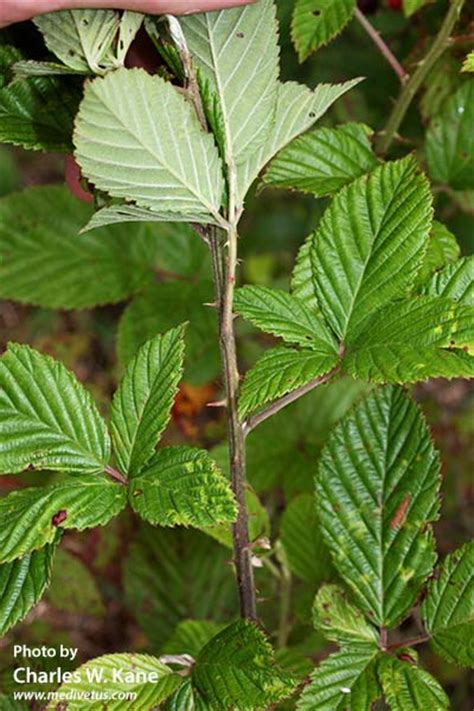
x=127, y=587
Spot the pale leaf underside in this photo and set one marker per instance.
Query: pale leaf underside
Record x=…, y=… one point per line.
x=171, y=167
x=237, y=51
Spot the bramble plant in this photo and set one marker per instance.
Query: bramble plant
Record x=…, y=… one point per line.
x=380, y=299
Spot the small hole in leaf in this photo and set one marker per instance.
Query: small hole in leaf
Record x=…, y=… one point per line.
x=316, y=13
x=312, y=114
x=240, y=35
x=71, y=53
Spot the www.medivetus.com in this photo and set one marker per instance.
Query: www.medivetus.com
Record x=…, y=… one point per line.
x=59, y=697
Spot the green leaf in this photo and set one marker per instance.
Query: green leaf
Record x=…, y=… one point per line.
x=171, y=575
x=298, y=108
x=80, y=38
x=377, y=494
x=339, y=620
x=175, y=169
x=306, y=553
x=259, y=520
x=130, y=23
x=33, y=68
x=316, y=22
x=49, y=420
x=141, y=407
x=30, y=518
x=468, y=64
x=121, y=675
x=182, y=486
x=411, y=6
x=43, y=260
x=236, y=668
x=456, y=282
x=35, y=113
x=370, y=243
x=22, y=584
x=165, y=306
x=237, y=52
x=73, y=587
x=443, y=249
x=344, y=680
x=324, y=160
x=410, y=341
x=281, y=314
x=406, y=687
x=448, y=610
x=279, y=371
x=190, y=636
x=132, y=213
x=450, y=141
x=302, y=276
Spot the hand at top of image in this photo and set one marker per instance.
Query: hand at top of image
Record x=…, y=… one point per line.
x=19, y=10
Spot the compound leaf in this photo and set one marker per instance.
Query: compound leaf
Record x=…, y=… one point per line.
x=44, y=261
x=298, y=108
x=339, y=620
x=30, y=518
x=142, y=404
x=175, y=169
x=344, y=680
x=316, y=22
x=413, y=340
x=377, y=494
x=49, y=420
x=281, y=314
x=237, y=52
x=450, y=141
x=306, y=552
x=370, y=243
x=121, y=675
x=279, y=371
x=236, y=668
x=36, y=113
x=22, y=584
x=448, y=610
x=182, y=486
x=406, y=687
x=324, y=160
